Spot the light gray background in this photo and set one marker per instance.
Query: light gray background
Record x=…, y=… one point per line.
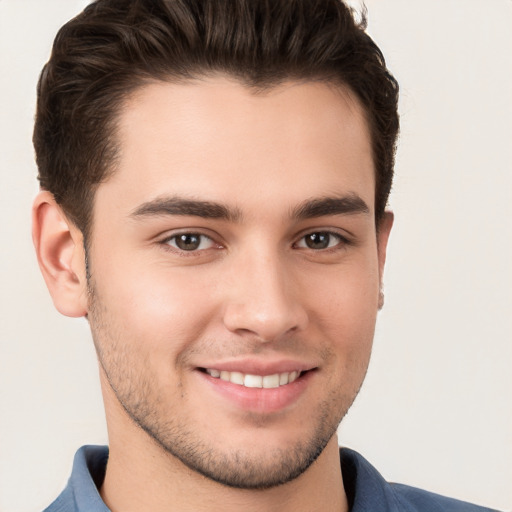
x=435, y=410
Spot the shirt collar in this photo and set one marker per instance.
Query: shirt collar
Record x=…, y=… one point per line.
x=87, y=477
x=365, y=487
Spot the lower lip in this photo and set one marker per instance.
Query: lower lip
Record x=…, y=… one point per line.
x=260, y=400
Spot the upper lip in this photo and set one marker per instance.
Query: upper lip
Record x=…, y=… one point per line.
x=259, y=367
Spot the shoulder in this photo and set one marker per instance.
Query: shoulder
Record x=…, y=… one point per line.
x=367, y=491
x=411, y=498
x=64, y=503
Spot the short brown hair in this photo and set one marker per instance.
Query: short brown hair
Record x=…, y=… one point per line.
x=115, y=46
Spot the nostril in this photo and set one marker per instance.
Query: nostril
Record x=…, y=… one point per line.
x=265, y=322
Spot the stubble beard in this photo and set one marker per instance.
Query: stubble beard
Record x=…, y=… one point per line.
x=135, y=388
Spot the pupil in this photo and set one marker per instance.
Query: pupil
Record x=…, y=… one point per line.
x=188, y=242
x=317, y=240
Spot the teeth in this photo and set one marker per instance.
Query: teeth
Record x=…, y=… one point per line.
x=255, y=381
x=271, y=381
x=235, y=378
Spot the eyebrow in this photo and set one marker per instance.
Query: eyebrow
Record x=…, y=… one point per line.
x=186, y=207
x=318, y=207
x=345, y=205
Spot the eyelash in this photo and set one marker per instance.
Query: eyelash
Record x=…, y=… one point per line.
x=342, y=241
x=166, y=243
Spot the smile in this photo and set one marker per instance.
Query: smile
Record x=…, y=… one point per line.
x=255, y=381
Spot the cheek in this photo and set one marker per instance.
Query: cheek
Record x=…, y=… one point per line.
x=344, y=309
x=157, y=309
x=346, y=298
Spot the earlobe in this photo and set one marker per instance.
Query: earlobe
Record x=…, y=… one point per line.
x=60, y=254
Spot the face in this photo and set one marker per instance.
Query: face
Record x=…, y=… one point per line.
x=235, y=272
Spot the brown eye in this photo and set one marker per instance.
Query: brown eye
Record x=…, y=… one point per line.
x=319, y=240
x=190, y=242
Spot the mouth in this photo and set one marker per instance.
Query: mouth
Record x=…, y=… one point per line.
x=261, y=388
x=248, y=380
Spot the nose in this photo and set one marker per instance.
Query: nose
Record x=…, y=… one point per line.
x=264, y=301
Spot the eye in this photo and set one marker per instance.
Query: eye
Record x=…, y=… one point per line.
x=320, y=240
x=189, y=242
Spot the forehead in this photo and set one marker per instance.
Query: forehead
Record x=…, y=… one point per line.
x=219, y=140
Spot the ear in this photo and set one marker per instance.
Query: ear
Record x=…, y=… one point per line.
x=60, y=254
x=383, y=231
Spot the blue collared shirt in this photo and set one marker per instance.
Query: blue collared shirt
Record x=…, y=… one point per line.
x=366, y=490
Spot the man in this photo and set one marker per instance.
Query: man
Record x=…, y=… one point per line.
x=214, y=179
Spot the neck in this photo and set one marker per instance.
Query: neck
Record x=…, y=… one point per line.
x=143, y=477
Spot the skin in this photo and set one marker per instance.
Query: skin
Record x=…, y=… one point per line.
x=256, y=293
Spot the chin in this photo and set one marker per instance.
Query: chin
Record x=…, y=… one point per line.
x=250, y=468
